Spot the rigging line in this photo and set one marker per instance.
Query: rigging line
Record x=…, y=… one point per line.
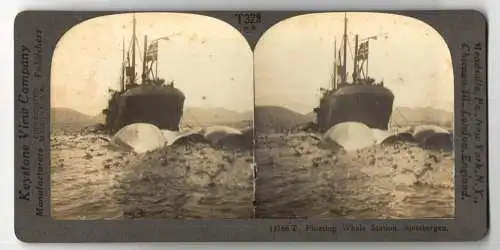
x=331, y=81
x=334, y=64
x=130, y=45
x=139, y=48
x=404, y=118
x=350, y=50
x=190, y=121
x=401, y=115
x=185, y=123
x=127, y=56
x=129, y=50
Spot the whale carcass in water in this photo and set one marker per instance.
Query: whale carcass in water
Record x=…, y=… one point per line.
x=350, y=136
x=220, y=136
x=434, y=137
x=175, y=137
x=139, y=137
x=244, y=140
x=380, y=135
x=399, y=137
x=387, y=138
x=422, y=132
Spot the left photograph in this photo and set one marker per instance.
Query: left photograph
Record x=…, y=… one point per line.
x=152, y=117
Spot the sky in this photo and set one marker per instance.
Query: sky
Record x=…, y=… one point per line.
x=209, y=60
x=294, y=59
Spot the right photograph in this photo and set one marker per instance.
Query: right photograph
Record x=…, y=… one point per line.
x=354, y=119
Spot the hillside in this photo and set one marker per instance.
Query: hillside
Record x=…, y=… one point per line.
x=311, y=116
x=194, y=117
x=67, y=115
x=403, y=116
x=70, y=120
x=277, y=119
x=267, y=118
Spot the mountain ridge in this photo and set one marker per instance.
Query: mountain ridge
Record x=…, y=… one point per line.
x=70, y=119
x=401, y=116
x=267, y=117
x=273, y=118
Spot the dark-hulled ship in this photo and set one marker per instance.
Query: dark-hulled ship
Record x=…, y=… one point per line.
x=363, y=100
x=149, y=101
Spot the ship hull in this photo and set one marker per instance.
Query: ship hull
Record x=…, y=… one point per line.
x=157, y=105
x=163, y=112
x=368, y=104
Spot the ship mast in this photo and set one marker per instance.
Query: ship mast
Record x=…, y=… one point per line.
x=133, y=50
x=355, y=61
x=122, y=77
x=335, y=66
x=144, y=61
x=344, y=68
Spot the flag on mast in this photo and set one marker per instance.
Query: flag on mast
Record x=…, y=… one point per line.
x=363, y=51
x=152, y=52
